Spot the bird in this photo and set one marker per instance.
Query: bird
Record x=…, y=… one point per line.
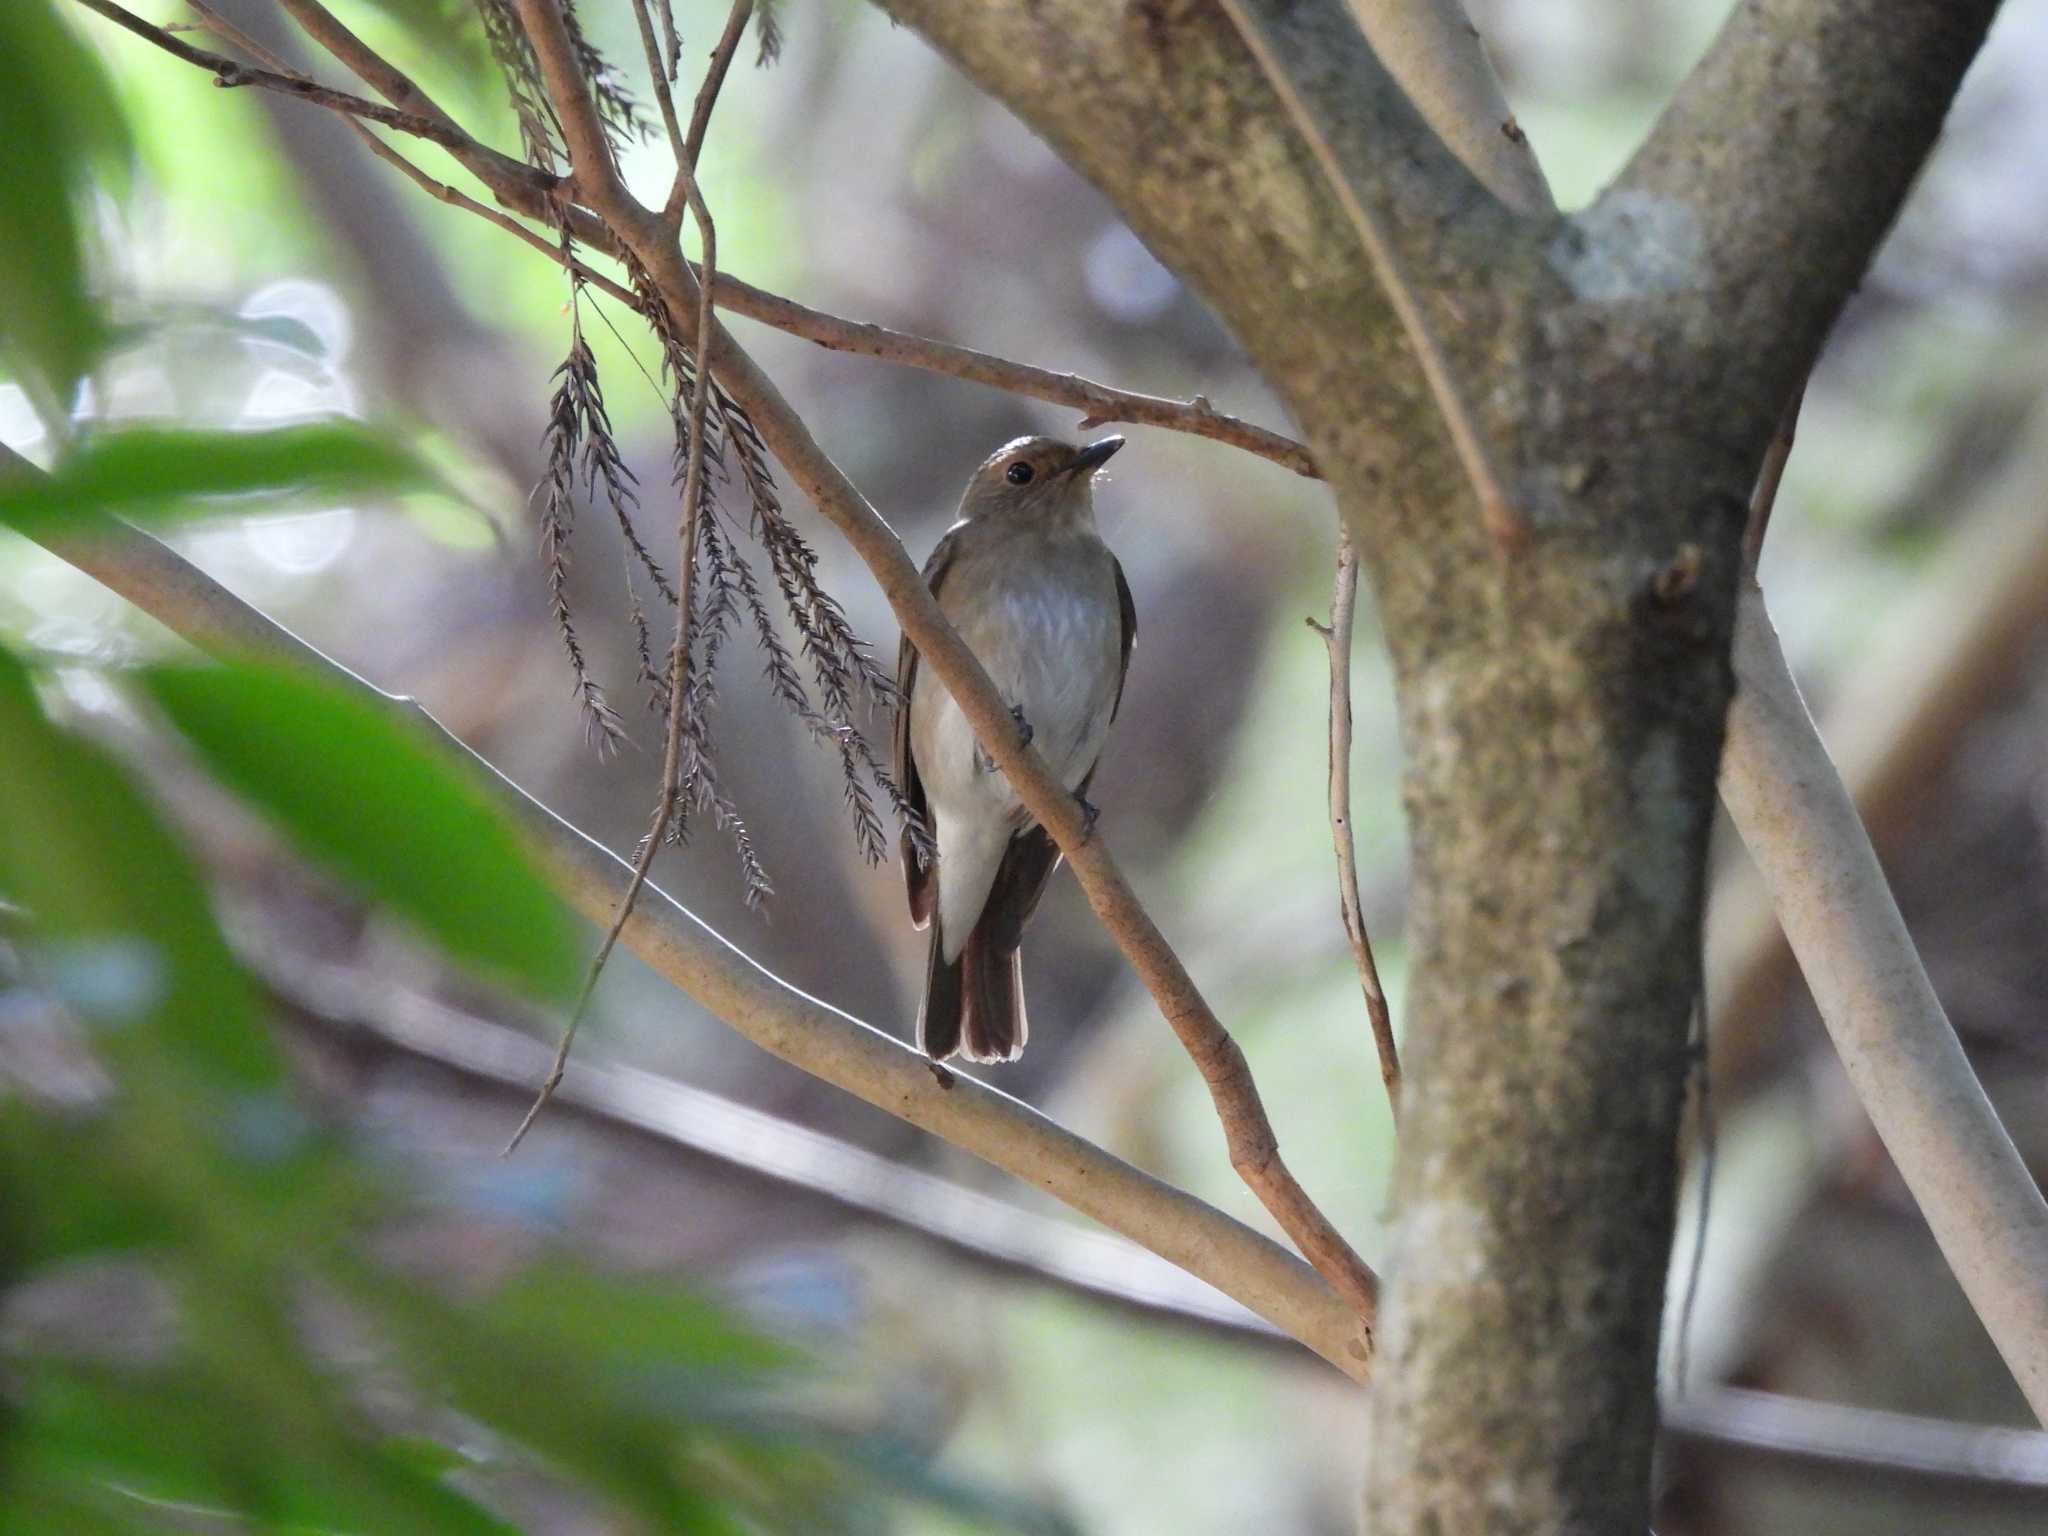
x=1026, y=579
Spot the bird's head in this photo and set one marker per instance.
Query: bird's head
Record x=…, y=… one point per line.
x=1037, y=477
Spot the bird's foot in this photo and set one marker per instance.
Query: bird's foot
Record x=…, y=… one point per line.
x=1090, y=814
x=983, y=763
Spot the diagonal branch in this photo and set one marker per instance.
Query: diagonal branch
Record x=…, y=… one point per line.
x=1298, y=50
x=783, y=1021
x=590, y=148
x=714, y=80
x=1102, y=402
x=226, y=72
x=664, y=97
x=1895, y=1041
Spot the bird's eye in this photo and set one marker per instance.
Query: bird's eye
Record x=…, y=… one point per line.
x=1018, y=473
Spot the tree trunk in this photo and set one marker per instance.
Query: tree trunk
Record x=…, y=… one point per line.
x=1562, y=692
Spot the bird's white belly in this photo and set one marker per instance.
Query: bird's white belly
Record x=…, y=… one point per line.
x=1051, y=654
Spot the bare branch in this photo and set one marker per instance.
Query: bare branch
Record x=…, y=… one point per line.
x=226, y=72
x=392, y=84
x=714, y=80
x=1337, y=638
x=596, y=174
x=776, y=1016
x=658, y=70
x=1101, y=402
x=1895, y=1041
x=1432, y=49
x=1763, y=189
x=1294, y=54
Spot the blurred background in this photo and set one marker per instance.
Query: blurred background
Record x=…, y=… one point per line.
x=265, y=268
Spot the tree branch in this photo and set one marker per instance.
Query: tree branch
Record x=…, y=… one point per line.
x=590, y=149
x=714, y=79
x=783, y=1021
x=665, y=99
x=1757, y=199
x=393, y=84
x=1322, y=70
x=226, y=72
x=1101, y=402
x=1337, y=637
x=1433, y=52
x=1894, y=1039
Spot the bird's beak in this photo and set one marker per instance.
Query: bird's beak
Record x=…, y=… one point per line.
x=1094, y=456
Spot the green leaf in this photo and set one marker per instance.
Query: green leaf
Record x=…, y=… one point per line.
x=57, y=115
x=193, y=1436
x=139, y=471
x=404, y=820
x=120, y=925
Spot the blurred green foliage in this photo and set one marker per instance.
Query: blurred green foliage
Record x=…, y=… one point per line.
x=174, y=1155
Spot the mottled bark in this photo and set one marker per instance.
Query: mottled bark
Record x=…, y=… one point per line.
x=1561, y=705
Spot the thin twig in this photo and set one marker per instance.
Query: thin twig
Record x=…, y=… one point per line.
x=663, y=96
x=1503, y=522
x=1102, y=403
x=714, y=80
x=388, y=81
x=226, y=72
x=1337, y=638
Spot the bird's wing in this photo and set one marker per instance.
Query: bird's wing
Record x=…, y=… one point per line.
x=919, y=878
x=1129, y=613
x=1026, y=869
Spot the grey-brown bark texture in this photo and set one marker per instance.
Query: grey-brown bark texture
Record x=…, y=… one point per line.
x=1561, y=698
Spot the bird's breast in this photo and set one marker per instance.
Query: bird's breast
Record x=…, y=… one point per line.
x=1048, y=630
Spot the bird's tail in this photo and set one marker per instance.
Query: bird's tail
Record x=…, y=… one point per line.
x=974, y=1004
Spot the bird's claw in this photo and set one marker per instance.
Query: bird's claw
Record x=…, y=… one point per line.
x=1090, y=814
x=983, y=763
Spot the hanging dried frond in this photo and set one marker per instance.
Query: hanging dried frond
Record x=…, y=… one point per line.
x=767, y=31
x=540, y=131
x=643, y=645
x=617, y=108
x=558, y=517
x=843, y=668
x=603, y=464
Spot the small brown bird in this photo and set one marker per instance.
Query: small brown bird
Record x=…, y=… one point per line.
x=1026, y=579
